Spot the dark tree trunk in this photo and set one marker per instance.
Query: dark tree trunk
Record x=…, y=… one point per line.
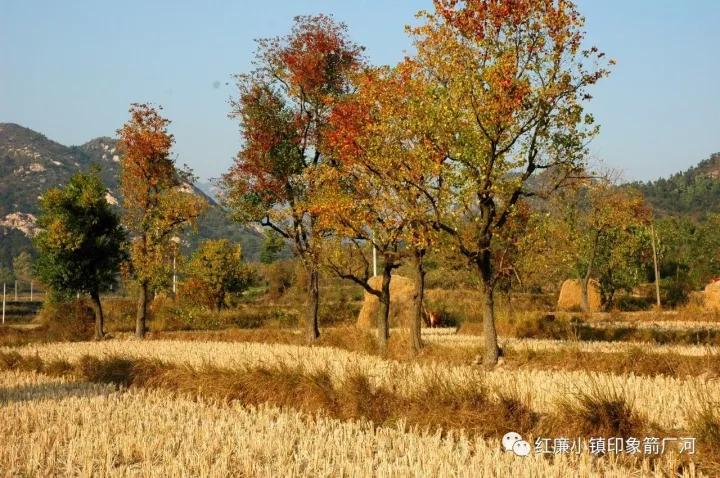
x=584, y=302
x=491, y=352
x=383, y=318
x=415, y=328
x=219, y=303
x=584, y=282
x=312, y=331
x=99, y=318
x=142, y=310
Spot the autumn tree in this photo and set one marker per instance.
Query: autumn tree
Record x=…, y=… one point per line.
x=508, y=80
x=81, y=245
x=604, y=231
x=382, y=186
x=156, y=197
x=283, y=106
x=215, y=270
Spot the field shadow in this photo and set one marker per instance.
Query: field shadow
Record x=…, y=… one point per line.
x=53, y=392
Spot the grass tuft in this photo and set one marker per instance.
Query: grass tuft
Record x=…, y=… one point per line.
x=599, y=411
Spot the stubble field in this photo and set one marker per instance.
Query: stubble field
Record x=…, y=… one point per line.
x=228, y=405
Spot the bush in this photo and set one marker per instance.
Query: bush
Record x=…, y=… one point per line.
x=340, y=311
x=628, y=303
x=170, y=315
x=675, y=292
x=120, y=313
x=67, y=321
x=279, y=276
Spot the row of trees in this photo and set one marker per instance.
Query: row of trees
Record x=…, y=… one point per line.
x=84, y=244
x=473, y=149
x=21, y=269
x=441, y=150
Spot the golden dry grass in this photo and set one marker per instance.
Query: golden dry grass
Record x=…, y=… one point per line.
x=711, y=299
x=158, y=434
x=570, y=295
x=402, y=293
x=660, y=399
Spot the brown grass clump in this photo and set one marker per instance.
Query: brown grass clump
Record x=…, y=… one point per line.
x=635, y=361
x=402, y=296
x=598, y=411
x=350, y=338
x=712, y=296
x=441, y=405
x=570, y=296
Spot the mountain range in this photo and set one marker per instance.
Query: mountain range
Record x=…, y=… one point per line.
x=30, y=163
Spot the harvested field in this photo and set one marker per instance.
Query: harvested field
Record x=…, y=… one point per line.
x=667, y=401
x=157, y=434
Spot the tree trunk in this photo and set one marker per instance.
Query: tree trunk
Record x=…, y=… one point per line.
x=99, y=318
x=142, y=310
x=219, y=303
x=584, y=302
x=312, y=331
x=415, y=327
x=383, y=318
x=655, y=263
x=491, y=352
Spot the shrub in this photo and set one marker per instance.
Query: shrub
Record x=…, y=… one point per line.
x=67, y=320
x=628, y=303
x=675, y=292
x=279, y=276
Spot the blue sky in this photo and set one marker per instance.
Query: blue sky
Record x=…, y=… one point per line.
x=71, y=69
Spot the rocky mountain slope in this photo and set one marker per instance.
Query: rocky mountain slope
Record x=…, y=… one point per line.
x=30, y=163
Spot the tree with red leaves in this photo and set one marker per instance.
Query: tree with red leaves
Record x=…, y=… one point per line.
x=283, y=106
x=508, y=83
x=155, y=198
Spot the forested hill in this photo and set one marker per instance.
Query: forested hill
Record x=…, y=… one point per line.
x=694, y=193
x=30, y=163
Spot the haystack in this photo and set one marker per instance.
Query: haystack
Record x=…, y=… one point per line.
x=402, y=296
x=712, y=296
x=571, y=295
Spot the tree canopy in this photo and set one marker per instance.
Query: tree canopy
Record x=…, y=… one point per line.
x=82, y=243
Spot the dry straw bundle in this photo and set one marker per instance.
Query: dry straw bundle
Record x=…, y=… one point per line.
x=571, y=298
x=712, y=296
x=402, y=297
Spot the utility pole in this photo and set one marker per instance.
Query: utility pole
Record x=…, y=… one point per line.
x=374, y=260
x=3, y=303
x=657, y=274
x=176, y=241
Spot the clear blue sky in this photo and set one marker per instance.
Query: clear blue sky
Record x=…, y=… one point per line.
x=70, y=69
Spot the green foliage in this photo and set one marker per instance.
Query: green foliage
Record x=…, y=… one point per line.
x=6, y=275
x=22, y=266
x=272, y=247
x=81, y=247
x=695, y=192
x=215, y=270
x=689, y=250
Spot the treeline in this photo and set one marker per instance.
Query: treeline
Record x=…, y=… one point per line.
x=694, y=193
x=471, y=152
